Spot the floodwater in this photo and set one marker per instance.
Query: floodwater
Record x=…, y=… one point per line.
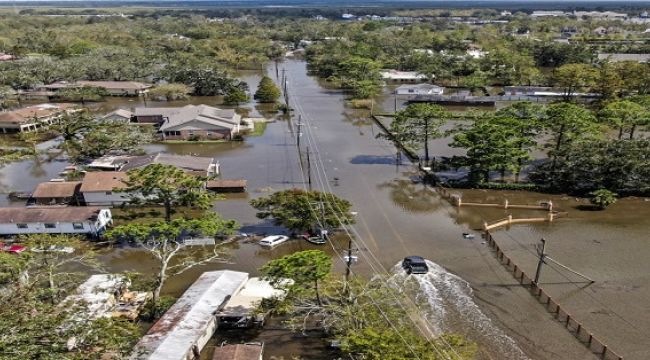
x=469, y=292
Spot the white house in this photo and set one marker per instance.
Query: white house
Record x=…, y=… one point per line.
x=421, y=89
x=397, y=76
x=118, y=116
x=98, y=188
x=54, y=220
x=198, y=165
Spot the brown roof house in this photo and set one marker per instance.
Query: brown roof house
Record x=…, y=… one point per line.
x=32, y=117
x=114, y=88
x=91, y=221
x=192, y=122
x=99, y=188
x=56, y=193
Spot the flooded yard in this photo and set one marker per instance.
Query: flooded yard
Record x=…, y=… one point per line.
x=398, y=217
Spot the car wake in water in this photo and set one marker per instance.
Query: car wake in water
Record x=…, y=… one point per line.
x=447, y=301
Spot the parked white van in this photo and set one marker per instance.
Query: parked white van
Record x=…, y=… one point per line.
x=273, y=240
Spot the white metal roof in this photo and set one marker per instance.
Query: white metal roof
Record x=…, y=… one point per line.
x=172, y=337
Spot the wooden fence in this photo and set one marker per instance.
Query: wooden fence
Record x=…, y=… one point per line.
x=573, y=325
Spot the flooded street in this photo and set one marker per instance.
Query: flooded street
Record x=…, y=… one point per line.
x=468, y=292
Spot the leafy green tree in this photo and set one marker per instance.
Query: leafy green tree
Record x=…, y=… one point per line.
x=573, y=78
x=82, y=94
x=304, y=268
x=625, y=114
x=567, y=122
x=163, y=240
x=235, y=96
x=417, y=124
x=491, y=144
x=72, y=127
x=267, y=91
x=169, y=92
x=167, y=186
x=608, y=82
x=111, y=138
x=602, y=198
x=299, y=210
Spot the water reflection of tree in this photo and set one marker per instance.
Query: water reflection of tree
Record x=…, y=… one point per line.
x=359, y=118
x=415, y=198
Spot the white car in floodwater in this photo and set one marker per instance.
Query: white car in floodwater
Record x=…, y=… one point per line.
x=273, y=240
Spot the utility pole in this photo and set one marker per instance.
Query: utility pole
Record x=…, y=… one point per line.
x=542, y=255
x=308, y=169
x=348, y=265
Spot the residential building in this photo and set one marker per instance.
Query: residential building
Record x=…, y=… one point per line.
x=239, y=310
x=641, y=58
x=239, y=352
x=609, y=15
x=545, y=13
x=91, y=221
x=188, y=325
x=421, y=89
x=198, y=165
x=118, y=116
x=99, y=188
x=191, y=122
x=32, y=118
x=114, y=88
x=396, y=76
x=56, y=193
x=226, y=186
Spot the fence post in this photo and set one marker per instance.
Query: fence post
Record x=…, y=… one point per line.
x=505, y=204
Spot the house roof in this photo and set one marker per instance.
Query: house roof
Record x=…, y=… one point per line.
x=29, y=113
x=52, y=189
x=108, y=85
x=174, y=334
x=119, y=112
x=223, y=183
x=624, y=57
x=103, y=181
x=220, y=118
x=420, y=87
x=48, y=214
x=185, y=162
x=238, y=352
x=407, y=75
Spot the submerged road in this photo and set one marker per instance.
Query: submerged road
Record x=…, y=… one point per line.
x=397, y=217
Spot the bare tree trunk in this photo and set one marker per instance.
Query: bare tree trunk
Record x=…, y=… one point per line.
x=168, y=211
x=320, y=303
x=632, y=130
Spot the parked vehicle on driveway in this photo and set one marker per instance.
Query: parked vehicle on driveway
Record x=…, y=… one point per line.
x=12, y=248
x=415, y=265
x=273, y=240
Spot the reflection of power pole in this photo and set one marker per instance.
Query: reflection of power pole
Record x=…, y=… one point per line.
x=298, y=135
x=308, y=169
x=277, y=74
x=542, y=255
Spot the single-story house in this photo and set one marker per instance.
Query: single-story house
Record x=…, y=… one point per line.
x=641, y=58
x=397, y=76
x=54, y=220
x=226, y=186
x=118, y=116
x=199, y=165
x=56, y=193
x=188, y=325
x=115, y=88
x=239, y=352
x=98, y=188
x=240, y=309
x=191, y=122
x=541, y=91
x=31, y=118
x=421, y=89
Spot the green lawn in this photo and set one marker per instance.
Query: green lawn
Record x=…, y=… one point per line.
x=259, y=129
